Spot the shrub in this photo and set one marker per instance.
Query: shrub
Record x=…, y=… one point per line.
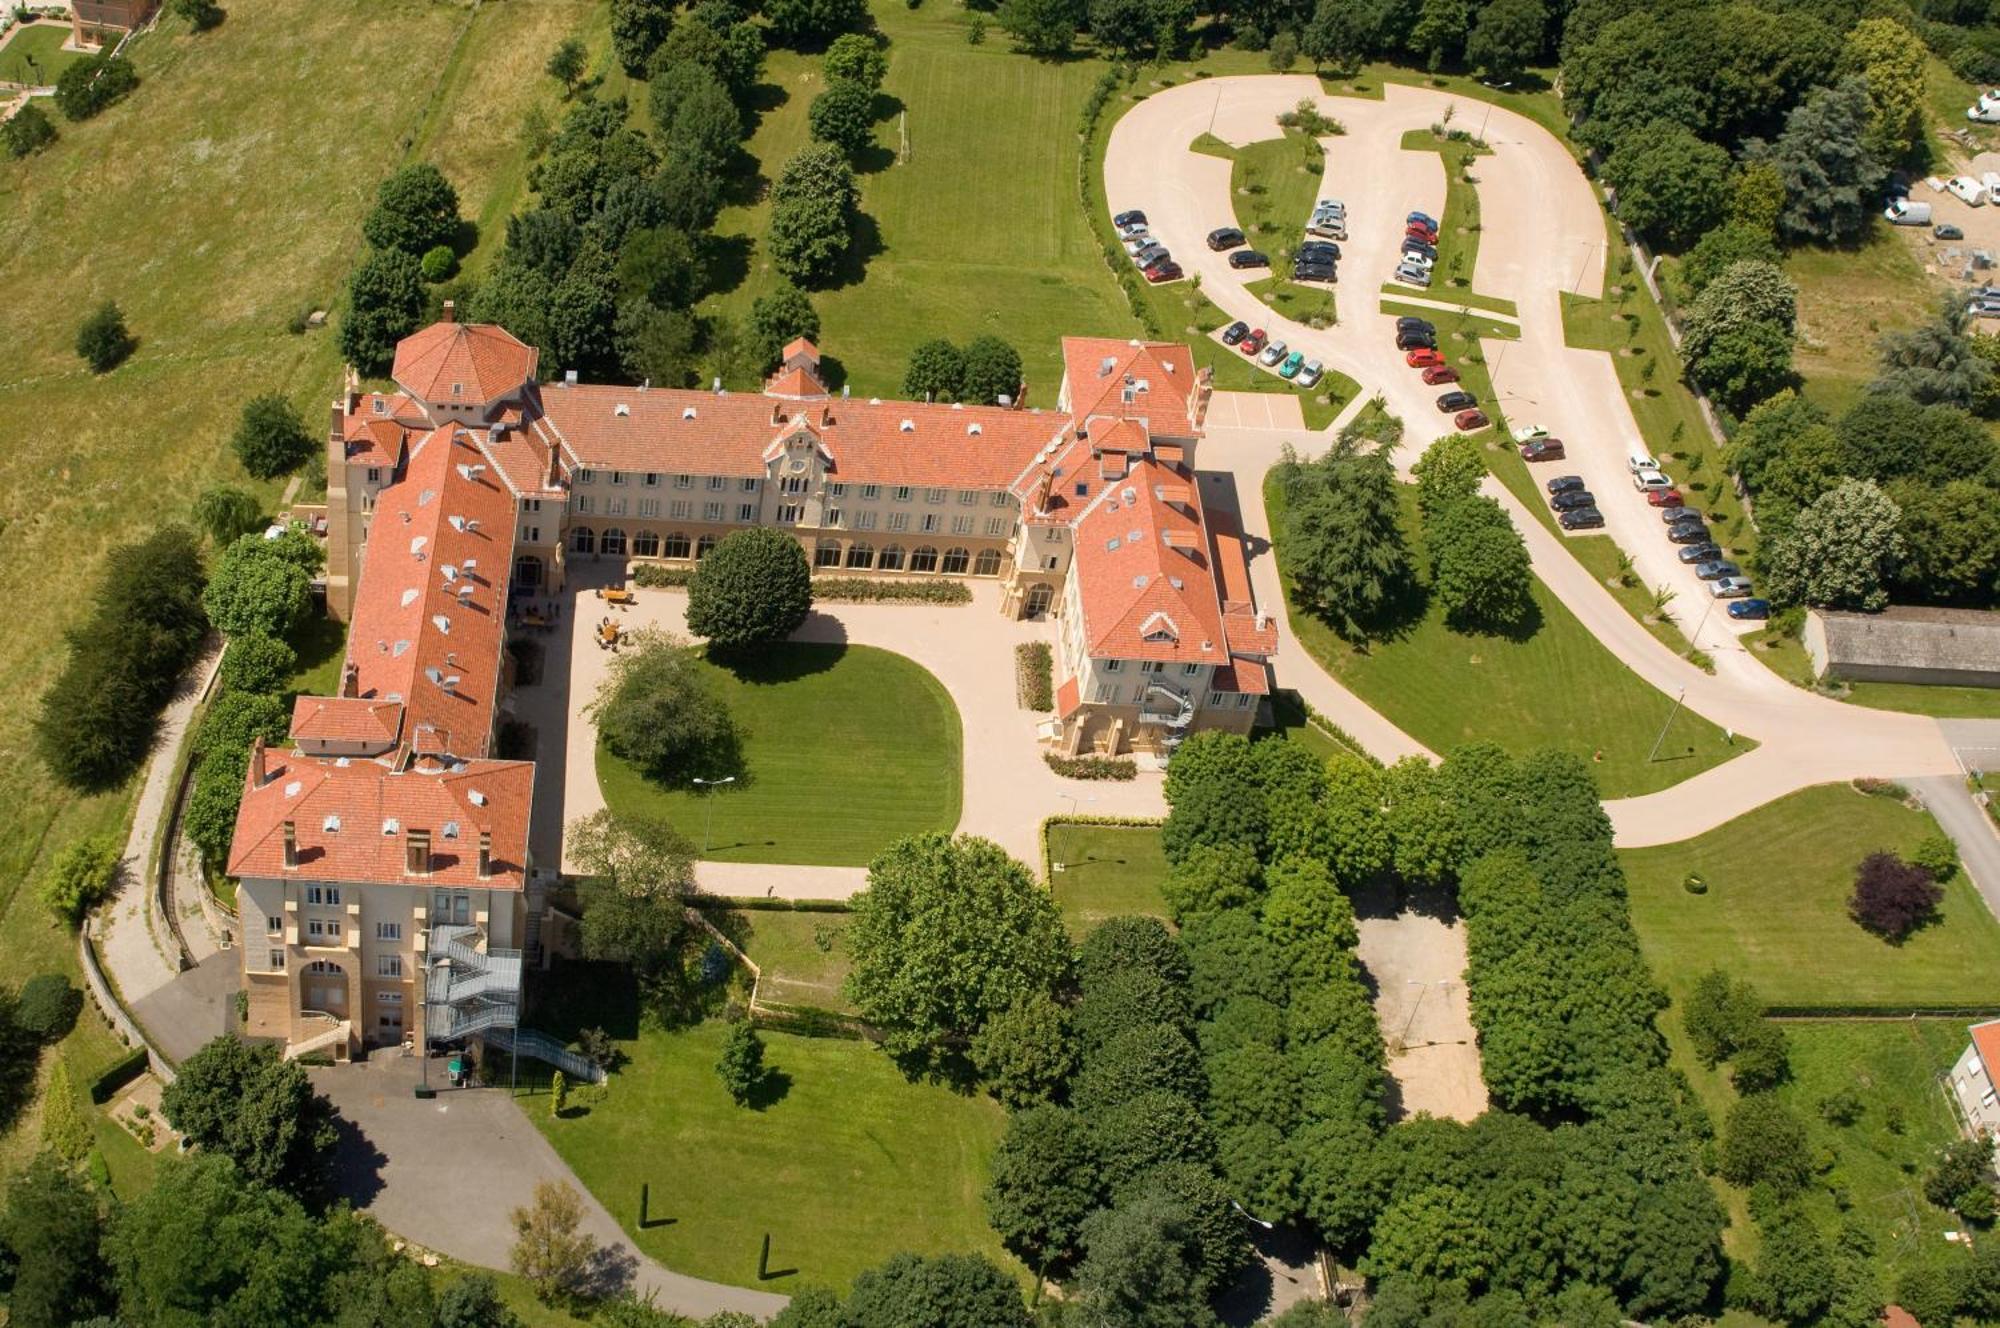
x=658, y=710
x=80, y=877
x=270, y=439
x=103, y=341
x=753, y=587
x=258, y=663
x=29, y=130
x=1034, y=678
x=1962, y=1177
x=416, y=210
x=653, y=576
x=1937, y=855
x=93, y=83
x=200, y=14
x=1119, y=768
x=1763, y=1141
x=439, y=263
x=1892, y=898
x=48, y=1006
x=861, y=590
x=1840, y=1107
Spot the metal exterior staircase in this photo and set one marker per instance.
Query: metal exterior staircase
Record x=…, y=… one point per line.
x=1176, y=721
x=542, y=1047
x=469, y=990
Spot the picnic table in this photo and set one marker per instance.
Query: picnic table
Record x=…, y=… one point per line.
x=617, y=595
x=607, y=633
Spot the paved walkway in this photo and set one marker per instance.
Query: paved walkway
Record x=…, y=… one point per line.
x=447, y=1173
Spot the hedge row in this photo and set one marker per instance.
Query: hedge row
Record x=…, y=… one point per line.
x=118, y=1074
x=865, y=590
x=1120, y=768
x=656, y=576
x=1035, y=675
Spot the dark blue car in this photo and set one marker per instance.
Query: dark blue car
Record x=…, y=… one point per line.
x=1750, y=608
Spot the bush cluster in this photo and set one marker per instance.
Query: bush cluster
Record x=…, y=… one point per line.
x=867, y=590
x=93, y=83
x=1035, y=675
x=1120, y=768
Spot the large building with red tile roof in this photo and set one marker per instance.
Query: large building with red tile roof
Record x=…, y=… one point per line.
x=1975, y=1080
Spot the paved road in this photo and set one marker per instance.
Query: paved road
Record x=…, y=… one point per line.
x=1970, y=827
x=447, y=1173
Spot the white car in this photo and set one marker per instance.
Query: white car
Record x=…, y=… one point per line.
x=1310, y=375
x=1729, y=587
x=1986, y=110
x=1333, y=229
x=1273, y=353
x=1646, y=481
x=1528, y=433
x=1638, y=463
x=1332, y=205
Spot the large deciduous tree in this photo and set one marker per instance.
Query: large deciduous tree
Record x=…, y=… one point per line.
x=1671, y=185
x=257, y=1110
x=1891, y=61
x=659, y=710
x=843, y=115
x=992, y=369
x=270, y=439
x=938, y=1291
x=1832, y=177
x=1479, y=566
x=1342, y=536
x=812, y=24
x=777, y=319
x=1841, y=551
x=49, y=1236
x=813, y=207
x=416, y=209
x=634, y=874
x=258, y=588
x=753, y=588
x=1044, y=1185
x=949, y=933
x=1507, y=37
x=637, y=29
x=1043, y=28
x=385, y=298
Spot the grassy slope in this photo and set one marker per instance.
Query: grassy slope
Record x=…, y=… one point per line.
x=1558, y=688
x=1847, y=299
x=864, y=726
x=256, y=149
x=1778, y=882
x=852, y=1164
x=1107, y=871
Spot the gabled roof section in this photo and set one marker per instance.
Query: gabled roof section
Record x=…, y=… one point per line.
x=1152, y=380
x=1144, y=593
x=347, y=719
x=463, y=363
x=1986, y=1041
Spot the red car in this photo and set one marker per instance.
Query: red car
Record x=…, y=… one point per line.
x=1164, y=272
x=1423, y=358
x=1440, y=373
x=1468, y=420
x=1253, y=343
x=1542, y=449
x=1665, y=498
x=1417, y=231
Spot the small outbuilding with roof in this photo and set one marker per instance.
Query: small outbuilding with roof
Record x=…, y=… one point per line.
x=1956, y=647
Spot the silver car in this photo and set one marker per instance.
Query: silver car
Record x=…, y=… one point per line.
x=1273, y=353
x=1716, y=569
x=1729, y=587
x=1310, y=375
x=1412, y=275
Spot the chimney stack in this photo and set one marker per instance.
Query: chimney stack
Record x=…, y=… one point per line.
x=257, y=762
x=485, y=854
x=291, y=844
x=451, y=311
x=350, y=679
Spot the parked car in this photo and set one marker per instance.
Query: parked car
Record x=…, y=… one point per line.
x=1424, y=217
x=1700, y=553
x=1322, y=248
x=1440, y=373
x=1305, y=271
x=1424, y=233
x=1136, y=228
x=1132, y=218
x=1149, y=254
x=1716, y=568
x=1235, y=332
x=1673, y=516
x=1334, y=228
x=1542, y=449
x=1572, y=500
x=1226, y=237
x=1243, y=258
x=1564, y=484
x=1310, y=375
x=1582, y=518
x=1423, y=357
x=1635, y=464
x=1941, y=231
x=1331, y=205
x=1416, y=248
x=1167, y=271
x=1460, y=400
x=1729, y=587
x=1408, y=323
x=1643, y=480
x=1467, y=421
x=1750, y=608
x=1273, y=353
x=1903, y=212
x=1694, y=532
x=1665, y=498
x=1411, y=275
x=1528, y=433
x=1412, y=338
x=1416, y=260
x=1966, y=190
x=1293, y=363
x=1253, y=343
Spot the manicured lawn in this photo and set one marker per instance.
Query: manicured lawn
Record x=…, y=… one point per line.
x=1556, y=688
x=1295, y=725
x=849, y=1164
x=845, y=748
x=1105, y=871
x=1776, y=909
x=34, y=54
x=802, y=955
x=1273, y=185
x=1300, y=301
x=321, y=645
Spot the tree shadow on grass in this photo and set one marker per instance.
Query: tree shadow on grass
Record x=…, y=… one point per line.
x=726, y=262
x=772, y=1087
x=778, y=662
x=865, y=243
x=577, y=994
x=760, y=101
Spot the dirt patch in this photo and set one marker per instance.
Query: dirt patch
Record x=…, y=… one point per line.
x=1416, y=961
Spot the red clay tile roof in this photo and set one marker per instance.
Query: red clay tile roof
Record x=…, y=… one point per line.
x=670, y=430
x=521, y=458
x=794, y=383
x=800, y=346
x=1242, y=675
x=1986, y=1039
x=1895, y=1316
x=339, y=812
x=482, y=361
x=1068, y=697
x=1162, y=389
x=446, y=526
x=346, y=719
x=1142, y=597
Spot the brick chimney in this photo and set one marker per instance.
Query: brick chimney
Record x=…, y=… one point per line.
x=257, y=762
x=291, y=845
x=451, y=311
x=350, y=679
x=485, y=854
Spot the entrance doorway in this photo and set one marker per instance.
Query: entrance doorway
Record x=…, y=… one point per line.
x=1039, y=597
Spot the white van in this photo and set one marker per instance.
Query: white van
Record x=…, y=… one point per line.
x=1903, y=212
x=1991, y=183
x=1967, y=190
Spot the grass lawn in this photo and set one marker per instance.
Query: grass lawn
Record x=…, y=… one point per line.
x=849, y=1164
x=1300, y=301
x=1295, y=724
x=1847, y=299
x=34, y=54
x=321, y=644
x=1556, y=688
x=1776, y=909
x=1105, y=871
x=802, y=956
x=1273, y=186
x=253, y=213
x=868, y=728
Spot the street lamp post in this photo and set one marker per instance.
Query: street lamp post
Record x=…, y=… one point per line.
x=708, y=821
x=1268, y=1226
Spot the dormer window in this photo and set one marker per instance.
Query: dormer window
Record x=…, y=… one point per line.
x=457, y=388
x=381, y=406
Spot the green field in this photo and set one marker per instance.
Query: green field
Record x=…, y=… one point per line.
x=801, y=956
x=1105, y=871
x=849, y=1164
x=34, y=54
x=1556, y=688
x=1776, y=909
x=1847, y=299
x=1274, y=183
x=864, y=730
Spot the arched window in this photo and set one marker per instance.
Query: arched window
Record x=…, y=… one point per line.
x=582, y=540
x=826, y=553
x=702, y=546
x=861, y=554
x=987, y=563
x=892, y=559
x=956, y=561
x=613, y=542
x=677, y=546
x=646, y=544
x=923, y=558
